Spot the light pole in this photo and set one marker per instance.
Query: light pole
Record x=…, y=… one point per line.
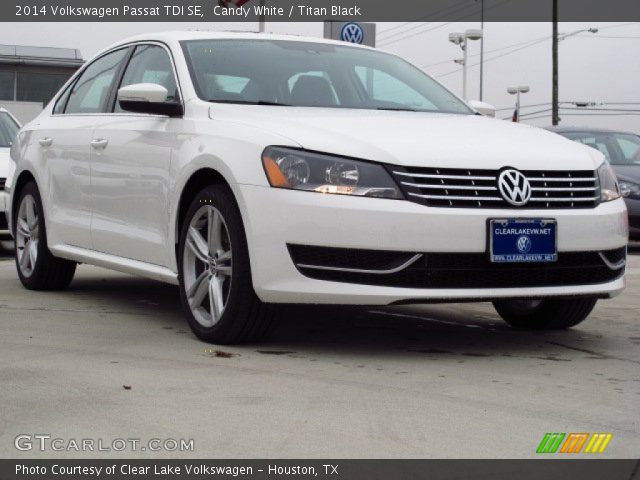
x=555, y=107
x=517, y=91
x=462, y=40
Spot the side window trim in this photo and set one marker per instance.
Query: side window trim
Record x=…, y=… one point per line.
x=66, y=93
x=115, y=86
x=74, y=81
x=114, y=94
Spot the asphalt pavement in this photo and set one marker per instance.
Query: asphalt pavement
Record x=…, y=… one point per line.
x=113, y=358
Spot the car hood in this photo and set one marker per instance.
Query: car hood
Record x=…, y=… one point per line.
x=5, y=160
x=415, y=138
x=629, y=173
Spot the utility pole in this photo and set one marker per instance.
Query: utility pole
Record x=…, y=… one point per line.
x=555, y=117
x=481, y=47
x=262, y=18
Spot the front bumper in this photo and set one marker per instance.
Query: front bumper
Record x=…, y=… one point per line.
x=5, y=232
x=274, y=218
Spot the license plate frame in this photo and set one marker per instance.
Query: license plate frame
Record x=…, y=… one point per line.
x=507, y=246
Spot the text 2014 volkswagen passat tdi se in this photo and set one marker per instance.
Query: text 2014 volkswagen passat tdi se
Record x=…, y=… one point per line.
x=258, y=170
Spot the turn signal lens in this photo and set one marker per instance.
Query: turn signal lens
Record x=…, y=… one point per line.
x=609, y=189
x=274, y=174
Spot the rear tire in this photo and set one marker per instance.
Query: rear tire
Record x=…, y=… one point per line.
x=549, y=314
x=37, y=268
x=216, y=288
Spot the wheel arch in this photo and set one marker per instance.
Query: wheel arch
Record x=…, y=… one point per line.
x=23, y=178
x=198, y=180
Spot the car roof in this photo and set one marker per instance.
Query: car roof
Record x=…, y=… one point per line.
x=577, y=129
x=180, y=35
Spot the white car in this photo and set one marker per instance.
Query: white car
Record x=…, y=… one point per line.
x=261, y=170
x=9, y=127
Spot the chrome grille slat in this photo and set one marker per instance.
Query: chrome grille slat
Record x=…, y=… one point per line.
x=450, y=197
x=565, y=199
x=563, y=189
x=450, y=177
x=449, y=187
x=555, y=179
x=477, y=188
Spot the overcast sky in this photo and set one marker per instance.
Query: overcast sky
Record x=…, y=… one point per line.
x=601, y=67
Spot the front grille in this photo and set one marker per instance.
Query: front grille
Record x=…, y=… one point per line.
x=474, y=270
x=462, y=188
x=3, y=181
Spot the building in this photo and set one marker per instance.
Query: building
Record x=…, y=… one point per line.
x=31, y=76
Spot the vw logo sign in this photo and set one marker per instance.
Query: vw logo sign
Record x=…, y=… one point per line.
x=514, y=187
x=524, y=244
x=352, y=33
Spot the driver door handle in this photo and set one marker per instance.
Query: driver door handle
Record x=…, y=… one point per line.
x=99, y=143
x=46, y=141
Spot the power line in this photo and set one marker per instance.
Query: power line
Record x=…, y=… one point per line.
x=531, y=44
x=610, y=36
x=423, y=24
x=395, y=27
x=570, y=103
x=463, y=6
x=606, y=27
x=414, y=27
x=389, y=42
x=492, y=51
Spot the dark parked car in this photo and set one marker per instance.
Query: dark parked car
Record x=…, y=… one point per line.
x=622, y=149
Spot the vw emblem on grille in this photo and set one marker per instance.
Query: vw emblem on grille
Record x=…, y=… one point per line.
x=524, y=244
x=514, y=187
x=352, y=33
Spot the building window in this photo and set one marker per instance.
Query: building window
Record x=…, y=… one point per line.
x=39, y=87
x=7, y=85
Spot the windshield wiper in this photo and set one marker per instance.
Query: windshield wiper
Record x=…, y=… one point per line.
x=398, y=109
x=248, y=102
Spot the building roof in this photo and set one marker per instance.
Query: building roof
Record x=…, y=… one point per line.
x=40, y=56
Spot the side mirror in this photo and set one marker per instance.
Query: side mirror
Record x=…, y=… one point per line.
x=483, y=108
x=148, y=98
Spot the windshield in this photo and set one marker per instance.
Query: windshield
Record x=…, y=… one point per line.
x=619, y=148
x=8, y=129
x=312, y=75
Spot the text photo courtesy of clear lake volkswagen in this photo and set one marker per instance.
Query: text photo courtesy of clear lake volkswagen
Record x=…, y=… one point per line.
x=364, y=236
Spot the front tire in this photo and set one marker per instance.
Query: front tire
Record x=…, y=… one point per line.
x=215, y=275
x=548, y=314
x=37, y=268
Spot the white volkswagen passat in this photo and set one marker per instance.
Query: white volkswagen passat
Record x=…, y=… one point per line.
x=257, y=170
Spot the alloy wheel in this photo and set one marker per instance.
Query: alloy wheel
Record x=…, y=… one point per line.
x=207, y=266
x=27, y=235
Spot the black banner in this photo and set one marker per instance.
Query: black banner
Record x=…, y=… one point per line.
x=546, y=469
x=316, y=10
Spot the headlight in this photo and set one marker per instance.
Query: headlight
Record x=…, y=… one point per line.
x=316, y=172
x=629, y=189
x=609, y=189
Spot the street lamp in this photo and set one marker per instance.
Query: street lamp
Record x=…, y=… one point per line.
x=562, y=36
x=555, y=107
x=517, y=91
x=462, y=39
